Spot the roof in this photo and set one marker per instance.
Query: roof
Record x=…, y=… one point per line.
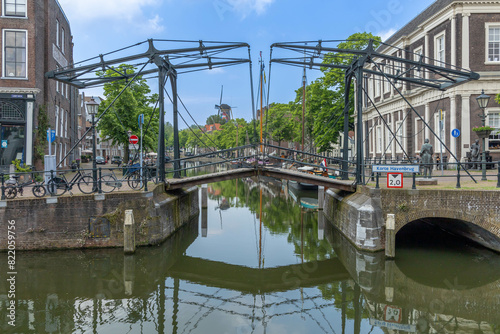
x=417, y=21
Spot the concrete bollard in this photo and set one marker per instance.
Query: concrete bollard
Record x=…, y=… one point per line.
x=321, y=197
x=129, y=232
x=204, y=196
x=390, y=236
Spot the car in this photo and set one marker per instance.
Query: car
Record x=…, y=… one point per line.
x=188, y=154
x=167, y=159
x=116, y=160
x=100, y=160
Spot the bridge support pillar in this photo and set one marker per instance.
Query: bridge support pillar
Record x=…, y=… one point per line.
x=129, y=232
x=321, y=197
x=204, y=196
x=390, y=236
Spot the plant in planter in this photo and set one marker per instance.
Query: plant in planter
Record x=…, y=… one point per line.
x=482, y=131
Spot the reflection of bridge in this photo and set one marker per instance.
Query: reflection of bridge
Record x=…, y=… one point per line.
x=279, y=173
x=255, y=280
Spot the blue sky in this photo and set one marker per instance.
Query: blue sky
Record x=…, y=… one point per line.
x=101, y=26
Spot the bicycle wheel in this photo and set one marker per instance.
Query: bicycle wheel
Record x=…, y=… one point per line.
x=134, y=181
x=10, y=192
x=86, y=184
x=38, y=190
x=108, y=183
x=57, y=186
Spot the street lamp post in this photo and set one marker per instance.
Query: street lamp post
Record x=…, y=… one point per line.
x=483, y=100
x=92, y=107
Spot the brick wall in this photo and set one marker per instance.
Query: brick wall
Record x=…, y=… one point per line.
x=66, y=224
x=361, y=216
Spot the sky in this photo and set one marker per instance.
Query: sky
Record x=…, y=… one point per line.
x=102, y=26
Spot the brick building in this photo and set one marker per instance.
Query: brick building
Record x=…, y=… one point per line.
x=35, y=38
x=451, y=33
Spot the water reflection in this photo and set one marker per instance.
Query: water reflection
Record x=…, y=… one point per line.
x=264, y=265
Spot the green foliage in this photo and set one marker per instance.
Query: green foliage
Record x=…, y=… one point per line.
x=19, y=168
x=41, y=143
x=216, y=119
x=123, y=115
x=482, y=128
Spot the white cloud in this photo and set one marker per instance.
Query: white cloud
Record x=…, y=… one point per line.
x=386, y=34
x=246, y=6
x=154, y=24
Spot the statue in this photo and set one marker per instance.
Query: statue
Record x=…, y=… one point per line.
x=475, y=151
x=426, y=153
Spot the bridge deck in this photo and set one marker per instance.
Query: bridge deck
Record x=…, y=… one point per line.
x=279, y=173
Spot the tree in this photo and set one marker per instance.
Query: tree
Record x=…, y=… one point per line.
x=215, y=119
x=325, y=97
x=123, y=114
x=280, y=122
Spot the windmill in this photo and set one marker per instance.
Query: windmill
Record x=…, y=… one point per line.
x=224, y=110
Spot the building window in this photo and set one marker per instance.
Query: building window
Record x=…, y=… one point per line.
x=388, y=138
x=62, y=40
x=57, y=33
x=14, y=54
x=439, y=129
x=417, y=56
x=399, y=136
x=387, y=84
x=15, y=8
x=57, y=121
x=494, y=122
x=379, y=139
x=493, y=43
x=439, y=49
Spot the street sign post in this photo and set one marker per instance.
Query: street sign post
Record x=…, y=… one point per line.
x=456, y=133
x=394, y=180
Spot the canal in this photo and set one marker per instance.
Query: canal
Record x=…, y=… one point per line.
x=260, y=259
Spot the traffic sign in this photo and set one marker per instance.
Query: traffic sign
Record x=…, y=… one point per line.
x=455, y=133
x=4, y=143
x=392, y=314
x=51, y=135
x=133, y=139
x=394, y=180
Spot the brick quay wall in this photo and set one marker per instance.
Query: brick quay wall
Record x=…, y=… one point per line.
x=91, y=221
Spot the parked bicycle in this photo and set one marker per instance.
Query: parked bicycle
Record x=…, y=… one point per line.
x=14, y=188
x=109, y=182
x=58, y=185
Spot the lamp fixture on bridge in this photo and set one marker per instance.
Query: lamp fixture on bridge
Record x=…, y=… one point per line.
x=92, y=108
x=482, y=101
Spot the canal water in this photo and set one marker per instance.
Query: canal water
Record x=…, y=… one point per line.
x=260, y=259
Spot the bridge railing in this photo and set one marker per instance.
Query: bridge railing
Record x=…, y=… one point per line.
x=450, y=170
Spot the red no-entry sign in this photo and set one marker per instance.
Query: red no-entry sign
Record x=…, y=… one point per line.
x=133, y=139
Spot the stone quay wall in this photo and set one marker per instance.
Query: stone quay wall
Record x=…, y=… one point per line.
x=96, y=221
x=474, y=214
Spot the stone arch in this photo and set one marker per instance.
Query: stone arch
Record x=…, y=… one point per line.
x=466, y=224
